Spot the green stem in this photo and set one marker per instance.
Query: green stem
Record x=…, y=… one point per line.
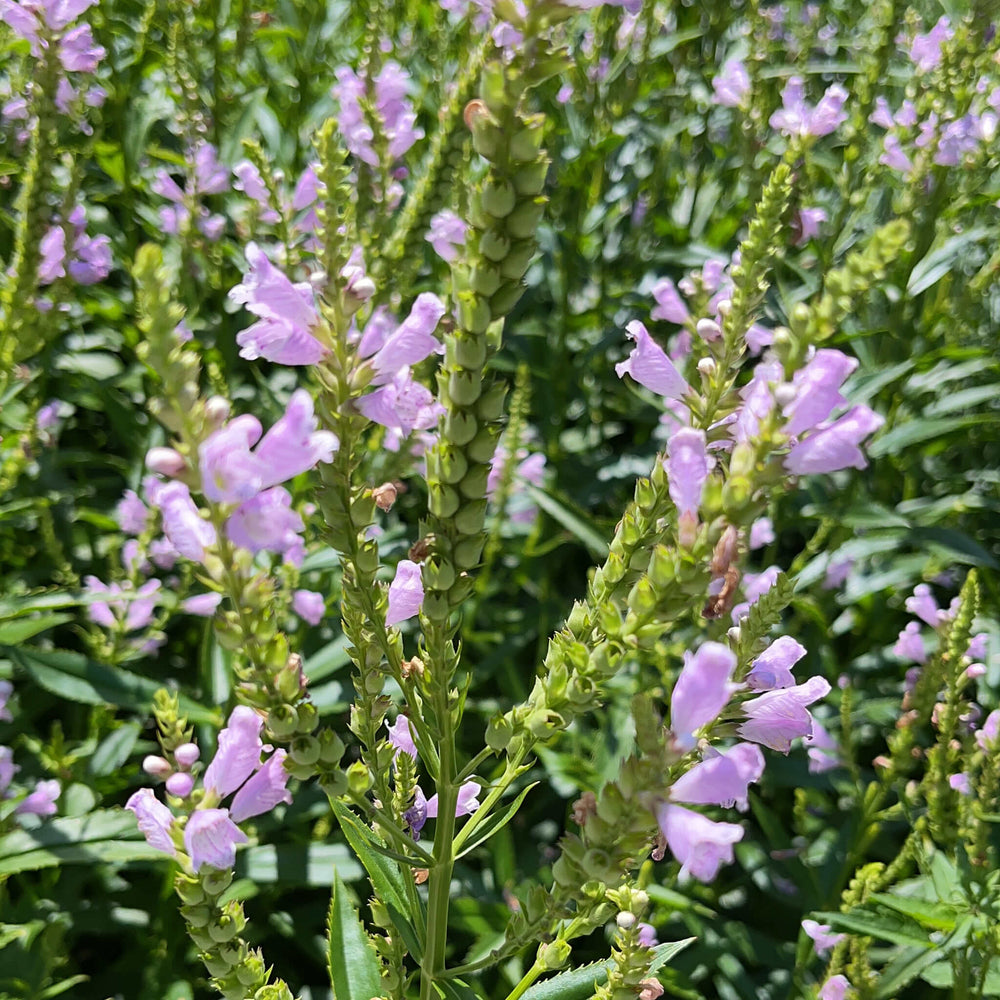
x=527, y=980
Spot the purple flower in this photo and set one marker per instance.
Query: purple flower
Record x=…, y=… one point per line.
x=837, y=571
x=893, y=155
x=687, y=470
x=834, y=447
x=758, y=399
x=988, y=737
x=834, y=988
x=209, y=175
x=393, y=105
x=203, y=605
x=647, y=935
x=229, y=471
x=186, y=530
x=722, y=780
x=773, y=668
x=761, y=533
x=669, y=304
x=817, y=390
x=309, y=606
x=135, y=614
x=698, y=843
x=154, y=818
x=882, y=115
x=447, y=234
x=401, y=736
x=910, y=644
x=77, y=51
x=7, y=769
x=53, y=252
x=703, y=688
x=6, y=690
x=263, y=791
x=923, y=605
x=977, y=646
x=238, y=755
x=401, y=404
x=822, y=939
x=468, y=801
x=287, y=314
x=93, y=258
x=412, y=341
x=776, y=718
x=731, y=86
x=348, y=92
x=132, y=514
x=250, y=182
x=925, y=52
x=41, y=801
x=210, y=838
x=797, y=117
x=807, y=223
x=406, y=593
x=267, y=523
x=650, y=366
x=180, y=784
x=960, y=783
x=823, y=751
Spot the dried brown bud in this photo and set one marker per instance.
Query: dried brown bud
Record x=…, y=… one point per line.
x=412, y=668
x=723, y=601
x=420, y=875
x=421, y=549
x=651, y=989
x=385, y=496
x=726, y=549
x=475, y=111
x=584, y=807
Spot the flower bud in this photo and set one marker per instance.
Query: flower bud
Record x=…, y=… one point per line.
x=625, y=920
x=157, y=767
x=708, y=329
x=384, y=496
x=554, y=955
x=707, y=367
x=358, y=778
x=187, y=755
x=165, y=461
x=216, y=410
x=180, y=784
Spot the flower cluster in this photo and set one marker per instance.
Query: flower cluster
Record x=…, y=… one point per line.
x=41, y=800
x=210, y=833
x=206, y=177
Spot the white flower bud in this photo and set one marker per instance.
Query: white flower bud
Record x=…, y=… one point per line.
x=625, y=920
x=707, y=366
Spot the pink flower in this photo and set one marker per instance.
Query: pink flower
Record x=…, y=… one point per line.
x=406, y=593
x=6, y=690
x=401, y=404
x=154, y=818
x=203, y=605
x=721, y=780
x=669, y=304
x=798, y=117
x=834, y=988
x=835, y=447
x=761, y=533
x=650, y=366
x=41, y=801
x=923, y=605
x=468, y=801
x=187, y=531
x=210, y=838
x=731, y=86
x=687, y=470
x=703, y=688
x=263, y=791
x=773, y=668
x=910, y=644
x=988, y=737
x=777, y=717
x=412, y=341
x=822, y=939
x=698, y=843
x=926, y=49
x=823, y=751
x=817, y=390
x=287, y=314
x=309, y=606
x=238, y=755
x=446, y=235
x=267, y=523
x=401, y=736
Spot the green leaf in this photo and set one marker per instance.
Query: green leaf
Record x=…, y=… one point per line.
x=14, y=632
x=351, y=959
x=73, y=677
x=884, y=926
x=497, y=821
x=940, y=261
x=576, y=984
x=595, y=542
x=385, y=875
x=295, y=864
x=114, y=750
x=920, y=430
x=107, y=835
x=933, y=914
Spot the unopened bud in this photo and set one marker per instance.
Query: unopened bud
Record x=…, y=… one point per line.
x=554, y=955
x=180, y=784
x=785, y=394
x=165, y=461
x=216, y=410
x=384, y=496
x=707, y=367
x=625, y=920
x=708, y=329
x=157, y=767
x=186, y=755
x=734, y=634
x=724, y=308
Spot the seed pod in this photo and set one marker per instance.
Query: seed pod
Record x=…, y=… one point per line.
x=516, y=262
x=523, y=221
x=473, y=484
x=527, y=141
x=499, y=198
x=529, y=181
x=304, y=750
x=485, y=279
x=506, y=298
x=470, y=519
x=454, y=465
x=474, y=313
x=464, y=387
x=460, y=426
x=483, y=445
x=494, y=244
x=468, y=552
x=469, y=352
x=490, y=405
x=443, y=500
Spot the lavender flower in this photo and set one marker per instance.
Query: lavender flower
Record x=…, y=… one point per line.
x=203, y=605
x=925, y=51
x=732, y=84
x=822, y=939
x=823, y=751
x=210, y=838
x=309, y=606
x=41, y=801
x=7, y=769
x=837, y=571
x=923, y=605
x=238, y=755
x=287, y=314
x=649, y=366
x=669, y=304
x=703, y=688
x=154, y=818
x=776, y=718
x=132, y=514
x=6, y=690
x=263, y=791
x=910, y=644
x=798, y=118
x=411, y=342
x=834, y=447
x=267, y=523
x=687, y=472
x=773, y=668
x=186, y=530
x=722, y=780
x=988, y=737
x=401, y=404
x=893, y=155
x=467, y=803
x=806, y=224
x=698, y=843
x=401, y=736
x=761, y=533
x=180, y=784
x=817, y=390
x=52, y=249
x=446, y=234
x=406, y=593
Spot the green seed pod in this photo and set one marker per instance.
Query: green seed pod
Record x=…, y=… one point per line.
x=469, y=352
x=217, y=967
x=522, y=223
x=529, y=180
x=464, y=387
x=474, y=313
x=506, y=298
x=283, y=721
x=468, y=552
x=473, y=484
x=436, y=606
x=735, y=496
x=460, y=589
x=200, y=938
x=494, y=244
x=485, y=279
x=490, y=405
x=460, y=426
x=443, y=500
x=517, y=261
x=308, y=717
x=333, y=783
x=554, y=955
x=499, y=733
x=331, y=747
x=482, y=447
x=224, y=930
x=304, y=750
x=358, y=778
x=197, y=916
x=251, y=971
x=216, y=882
x=498, y=198
x=453, y=464
x=189, y=889
x=471, y=518
x=527, y=141
x=438, y=573
x=374, y=682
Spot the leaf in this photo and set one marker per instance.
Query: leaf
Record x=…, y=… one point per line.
x=572, y=522
x=666, y=951
x=940, y=261
x=933, y=914
x=386, y=878
x=14, y=632
x=351, y=959
x=293, y=864
x=916, y=431
x=497, y=821
x=328, y=660
x=885, y=926
x=73, y=677
x=576, y=984
x=107, y=835
x=114, y=750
